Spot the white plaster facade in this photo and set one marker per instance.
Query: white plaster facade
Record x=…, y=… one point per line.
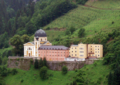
x=31, y=48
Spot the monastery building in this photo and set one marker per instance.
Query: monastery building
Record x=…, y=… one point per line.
x=40, y=48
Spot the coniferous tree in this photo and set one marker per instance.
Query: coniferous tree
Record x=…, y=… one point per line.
x=110, y=77
x=0, y=61
x=41, y=63
x=36, y=66
x=44, y=62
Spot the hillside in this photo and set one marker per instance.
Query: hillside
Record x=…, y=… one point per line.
x=92, y=19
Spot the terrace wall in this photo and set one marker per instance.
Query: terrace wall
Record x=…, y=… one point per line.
x=24, y=63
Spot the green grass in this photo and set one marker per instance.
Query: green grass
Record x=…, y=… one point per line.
x=105, y=4
x=96, y=74
x=32, y=77
x=92, y=19
x=51, y=34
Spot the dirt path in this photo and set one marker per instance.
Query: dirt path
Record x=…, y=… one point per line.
x=100, y=8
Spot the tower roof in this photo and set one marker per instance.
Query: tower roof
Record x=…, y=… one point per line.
x=40, y=33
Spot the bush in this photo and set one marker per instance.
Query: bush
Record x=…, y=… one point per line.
x=17, y=59
x=22, y=81
x=31, y=61
x=43, y=73
x=81, y=1
x=48, y=28
x=81, y=32
x=14, y=71
x=64, y=70
x=76, y=70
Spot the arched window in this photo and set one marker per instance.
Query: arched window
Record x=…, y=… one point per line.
x=29, y=48
x=41, y=39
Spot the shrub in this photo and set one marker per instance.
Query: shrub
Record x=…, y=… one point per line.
x=95, y=64
x=43, y=73
x=81, y=32
x=21, y=80
x=31, y=61
x=81, y=1
x=17, y=59
x=64, y=70
x=76, y=70
x=14, y=71
x=48, y=28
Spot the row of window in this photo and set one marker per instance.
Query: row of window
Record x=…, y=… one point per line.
x=95, y=55
x=79, y=48
x=53, y=52
x=76, y=55
x=52, y=55
x=95, y=46
x=80, y=51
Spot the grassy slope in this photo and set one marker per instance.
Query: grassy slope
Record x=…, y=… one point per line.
x=91, y=19
x=31, y=77
x=96, y=74
x=105, y=3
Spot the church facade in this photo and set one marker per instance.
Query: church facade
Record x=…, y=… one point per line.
x=31, y=48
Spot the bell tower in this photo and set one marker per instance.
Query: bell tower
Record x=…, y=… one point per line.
x=40, y=36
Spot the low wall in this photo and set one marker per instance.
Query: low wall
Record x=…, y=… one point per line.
x=24, y=63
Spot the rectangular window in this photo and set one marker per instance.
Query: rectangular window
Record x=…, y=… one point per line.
x=81, y=52
x=81, y=48
x=81, y=55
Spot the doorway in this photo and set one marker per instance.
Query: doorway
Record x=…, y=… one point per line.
x=29, y=54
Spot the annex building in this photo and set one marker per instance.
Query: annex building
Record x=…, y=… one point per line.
x=41, y=47
x=86, y=51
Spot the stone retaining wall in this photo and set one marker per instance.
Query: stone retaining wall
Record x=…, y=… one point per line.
x=24, y=63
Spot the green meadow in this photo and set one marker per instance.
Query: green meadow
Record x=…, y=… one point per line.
x=95, y=74
x=92, y=19
x=113, y=4
x=32, y=77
